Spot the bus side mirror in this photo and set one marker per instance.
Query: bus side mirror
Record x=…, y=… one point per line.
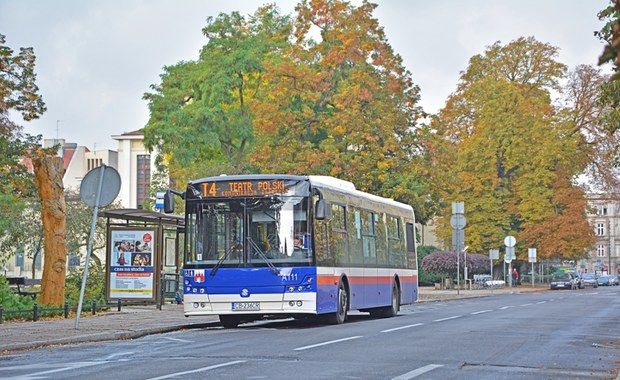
x=169, y=202
x=322, y=210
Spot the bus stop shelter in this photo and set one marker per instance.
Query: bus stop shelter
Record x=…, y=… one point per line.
x=142, y=255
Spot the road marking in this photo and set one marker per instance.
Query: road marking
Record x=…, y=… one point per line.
x=417, y=372
x=447, y=319
x=541, y=302
x=112, y=356
x=198, y=370
x=402, y=327
x=326, y=343
x=505, y=307
x=481, y=311
x=178, y=340
x=55, y=368
x=526, y=304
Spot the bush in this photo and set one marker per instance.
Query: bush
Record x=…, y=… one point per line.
x=95, y=285
x=426, y=278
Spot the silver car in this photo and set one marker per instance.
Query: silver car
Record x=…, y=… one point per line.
x=589, y=279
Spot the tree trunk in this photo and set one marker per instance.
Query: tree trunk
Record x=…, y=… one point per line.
x=49, y=172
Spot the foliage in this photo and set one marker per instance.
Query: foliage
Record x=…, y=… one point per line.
x=425, y=277
x=610, y=94
x=95, y=284
x=18, y=92
x=486, y=156
x=445, y=262
x=610, y=33
x=12, y=301
x=201, y=118
x=269, y=95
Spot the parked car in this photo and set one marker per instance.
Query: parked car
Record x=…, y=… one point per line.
x=613, y=280
x=563, y=281
x=589, y=279
x=603, y=280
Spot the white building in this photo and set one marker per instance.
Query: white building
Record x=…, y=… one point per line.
x=135, y=167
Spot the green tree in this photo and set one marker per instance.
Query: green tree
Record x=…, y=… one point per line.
x=201, y=114
x=509, y=155
x=265, y=96
x=610, y=93
x=18, y=92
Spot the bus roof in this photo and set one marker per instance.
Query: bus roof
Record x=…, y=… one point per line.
x=321, y=182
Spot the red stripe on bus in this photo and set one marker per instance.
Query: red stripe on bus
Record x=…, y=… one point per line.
x=363, y=280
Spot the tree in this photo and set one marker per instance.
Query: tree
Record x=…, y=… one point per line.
x=48, y=173
x=18, y=92
x=610, y=92
x=582, y=108
x=509, y=155
x=266, y=97
x=343, y=105
x=201, y=114
x=25, y=234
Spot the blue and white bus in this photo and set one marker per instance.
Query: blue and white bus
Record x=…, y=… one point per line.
x=265, y=245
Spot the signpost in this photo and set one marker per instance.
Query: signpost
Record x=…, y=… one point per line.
x=493, y=255
x=510, y=242
x=99, y=188
x=531, y=256
x=457, y=221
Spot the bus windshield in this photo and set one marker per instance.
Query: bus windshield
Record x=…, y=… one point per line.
x=241, y=232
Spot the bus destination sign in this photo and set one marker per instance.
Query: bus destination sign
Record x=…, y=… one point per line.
x=250, y=188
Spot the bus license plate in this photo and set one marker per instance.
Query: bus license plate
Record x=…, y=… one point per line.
x=242, y=306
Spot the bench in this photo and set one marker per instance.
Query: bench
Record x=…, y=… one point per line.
x=16, y=282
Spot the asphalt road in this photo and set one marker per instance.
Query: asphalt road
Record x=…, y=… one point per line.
x=549, y=335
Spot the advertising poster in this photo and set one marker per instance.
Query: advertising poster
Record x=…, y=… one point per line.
x=131, y=264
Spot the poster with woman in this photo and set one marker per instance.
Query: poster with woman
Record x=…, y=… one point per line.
x=132, y=271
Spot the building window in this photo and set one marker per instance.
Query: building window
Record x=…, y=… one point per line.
x=143, y=179
x=600, y=250
x=93, y=163
x=601, y=210
x=600, y=229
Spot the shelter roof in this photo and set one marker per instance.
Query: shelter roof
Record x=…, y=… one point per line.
x=147, y=216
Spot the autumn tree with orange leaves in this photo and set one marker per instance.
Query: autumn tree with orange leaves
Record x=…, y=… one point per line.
x=323, y=93
x=511, y=156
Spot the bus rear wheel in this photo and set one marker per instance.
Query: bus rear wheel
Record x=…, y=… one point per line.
x=393, y=309
x=229, y=321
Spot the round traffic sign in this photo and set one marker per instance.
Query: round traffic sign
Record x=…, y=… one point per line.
x=457, y=221
x=110, y=186
x=510, y=241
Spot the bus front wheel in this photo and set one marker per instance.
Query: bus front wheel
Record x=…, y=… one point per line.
x=342, y=305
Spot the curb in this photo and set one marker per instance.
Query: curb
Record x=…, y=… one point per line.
x=106, y=336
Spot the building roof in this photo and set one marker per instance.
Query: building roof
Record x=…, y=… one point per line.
x=147, y=216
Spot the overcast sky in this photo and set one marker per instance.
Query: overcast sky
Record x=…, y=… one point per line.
x=95, y=59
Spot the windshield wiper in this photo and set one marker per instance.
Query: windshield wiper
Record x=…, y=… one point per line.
x=263, y=256
x=221, y=260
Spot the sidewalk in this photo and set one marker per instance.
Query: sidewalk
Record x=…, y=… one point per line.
x=137, y=321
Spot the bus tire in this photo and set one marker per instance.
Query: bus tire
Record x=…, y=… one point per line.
x=229, y=321
x=342, y=306
x=393, y=309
